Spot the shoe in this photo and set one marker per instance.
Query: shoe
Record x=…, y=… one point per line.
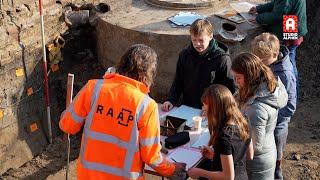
x=278, y=174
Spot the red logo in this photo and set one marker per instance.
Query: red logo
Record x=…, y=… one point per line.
x=290, y=24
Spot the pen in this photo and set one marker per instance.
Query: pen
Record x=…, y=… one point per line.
x=173, y=160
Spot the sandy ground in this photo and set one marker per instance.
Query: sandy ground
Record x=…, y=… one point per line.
x=72, y=176
x=302, y=154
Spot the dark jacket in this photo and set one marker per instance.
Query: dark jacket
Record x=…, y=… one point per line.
x=195, y=72
x=284, y=70
x=272, y=13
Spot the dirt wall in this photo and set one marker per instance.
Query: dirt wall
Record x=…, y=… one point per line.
x=21, y=69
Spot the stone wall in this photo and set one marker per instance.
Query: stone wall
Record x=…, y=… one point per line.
x=21, y=69
x=114, y=39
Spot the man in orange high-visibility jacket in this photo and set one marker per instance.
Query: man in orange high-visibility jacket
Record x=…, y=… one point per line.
x=121, y=126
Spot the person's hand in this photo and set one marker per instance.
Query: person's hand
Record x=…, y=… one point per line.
x=180, y=166
x=207, y=152
x=194, y=173
x=179, y=172
x=253, y=10
x=166, y=106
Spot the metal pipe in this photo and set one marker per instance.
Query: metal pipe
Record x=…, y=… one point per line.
x=46, y=85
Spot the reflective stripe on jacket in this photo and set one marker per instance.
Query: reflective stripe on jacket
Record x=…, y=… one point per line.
x=121, y=129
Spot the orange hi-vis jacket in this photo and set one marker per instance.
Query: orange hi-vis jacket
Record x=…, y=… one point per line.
x=121, y=129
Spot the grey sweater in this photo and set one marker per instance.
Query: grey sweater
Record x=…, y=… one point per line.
x=262, y=112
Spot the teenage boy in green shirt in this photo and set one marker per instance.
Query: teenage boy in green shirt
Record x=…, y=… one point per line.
x=271, y=14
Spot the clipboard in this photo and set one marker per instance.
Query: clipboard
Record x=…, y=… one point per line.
x=190, y=156
x=243, y=8
x=231, y=15
x=179, y=155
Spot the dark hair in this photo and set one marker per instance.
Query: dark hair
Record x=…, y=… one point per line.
x=139, y=62
x=255, y=73
x=223, y=109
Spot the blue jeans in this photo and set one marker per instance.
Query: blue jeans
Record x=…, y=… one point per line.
x=292, y=55
x=281, y=140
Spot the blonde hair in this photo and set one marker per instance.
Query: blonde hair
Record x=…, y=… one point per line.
x=200, y=26
x=223, y=109
x=265, y=45
x=255, y=73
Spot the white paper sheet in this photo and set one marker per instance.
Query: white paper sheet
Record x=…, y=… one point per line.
x=243, y=8
x=185, y=18
x=202, y=140
x=185, y=112
x=189, y=156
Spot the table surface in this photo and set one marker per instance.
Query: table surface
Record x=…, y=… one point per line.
x=194, y=136
x=146, y=18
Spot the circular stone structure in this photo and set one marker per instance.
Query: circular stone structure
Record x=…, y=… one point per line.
x=136, y=21
x=185, y=4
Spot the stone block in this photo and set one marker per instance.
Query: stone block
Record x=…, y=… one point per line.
x=118, y=5
x=3, y=37
x=5, y=60
x=15, y=152
x=55, y=10
x=23, y=10
x=13, y=32
x=8, y=118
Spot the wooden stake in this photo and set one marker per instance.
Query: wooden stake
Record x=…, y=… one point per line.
x=68, y=102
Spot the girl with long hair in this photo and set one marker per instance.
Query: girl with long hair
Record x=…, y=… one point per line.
x=260, y=97
x=267, y=47
x=229, y=141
